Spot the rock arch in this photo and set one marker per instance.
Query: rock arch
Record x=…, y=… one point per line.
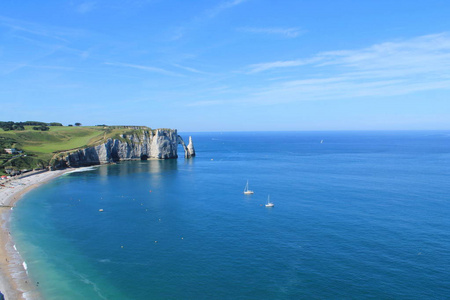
x=189, y=150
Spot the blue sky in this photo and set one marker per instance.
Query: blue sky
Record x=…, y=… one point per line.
x=227, y=65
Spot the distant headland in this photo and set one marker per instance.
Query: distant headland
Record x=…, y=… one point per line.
x=32, y=145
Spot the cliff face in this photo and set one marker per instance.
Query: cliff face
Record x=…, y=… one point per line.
x=160, y=144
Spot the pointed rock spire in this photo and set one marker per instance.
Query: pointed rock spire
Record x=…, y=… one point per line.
x=190, y=147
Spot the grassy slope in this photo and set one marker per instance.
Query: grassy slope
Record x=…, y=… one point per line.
x=42, y=145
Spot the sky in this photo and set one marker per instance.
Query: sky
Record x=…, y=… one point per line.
x=227, y=65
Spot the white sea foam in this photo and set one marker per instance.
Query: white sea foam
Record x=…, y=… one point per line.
x=29, y=295
x=94, y=286
x=85, y=169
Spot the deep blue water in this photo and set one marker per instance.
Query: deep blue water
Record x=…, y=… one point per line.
x=363, y=215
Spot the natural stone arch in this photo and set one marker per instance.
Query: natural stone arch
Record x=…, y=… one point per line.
x=189, y=150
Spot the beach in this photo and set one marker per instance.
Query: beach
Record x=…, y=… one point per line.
x=14, y=280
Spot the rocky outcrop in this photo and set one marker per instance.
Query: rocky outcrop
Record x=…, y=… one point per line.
x=142, y=144
x=190, y=147
x=189, y=150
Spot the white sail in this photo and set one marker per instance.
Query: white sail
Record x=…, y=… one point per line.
x=269, y=204
x=246, y=190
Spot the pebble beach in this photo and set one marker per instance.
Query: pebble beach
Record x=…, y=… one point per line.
x=14, y=280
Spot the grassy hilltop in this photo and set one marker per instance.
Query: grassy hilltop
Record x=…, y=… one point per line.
x=39, y=147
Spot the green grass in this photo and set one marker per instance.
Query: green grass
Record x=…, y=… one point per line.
x=56, y=139
x=42, y=146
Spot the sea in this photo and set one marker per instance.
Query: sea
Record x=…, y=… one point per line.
x=357, y=215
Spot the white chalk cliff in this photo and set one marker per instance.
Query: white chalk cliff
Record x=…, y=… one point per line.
x=146, y=144
x=190, y=147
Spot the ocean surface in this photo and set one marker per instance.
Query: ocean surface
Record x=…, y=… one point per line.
x=357, y=215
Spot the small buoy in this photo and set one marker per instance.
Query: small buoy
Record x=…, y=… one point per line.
x=150, y=191
x=156, y=241
x=101, y=209
x=121, y=246
x=182, y=238
x=212, y=159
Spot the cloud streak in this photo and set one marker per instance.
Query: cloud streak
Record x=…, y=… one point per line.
x=257, y=68
x=419, y=54
x=85, y=7
x=386, y=69
x=193, y=70
x=205, y=103
x=144, y=68
x=284, y=32
x=211, y=13
x=35, y=29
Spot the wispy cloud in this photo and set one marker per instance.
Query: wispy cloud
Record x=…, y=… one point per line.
x=256, y=68
x=284, y=32
x=179, y=32
x=340, y=88
x=193, y=70
x=211, y=13
x=42, y=42
x=417, y=54
x=205, y=103
x=386, y=69
x=9, y=67
x=85, y=7
x=36, y=29
x=145, y=68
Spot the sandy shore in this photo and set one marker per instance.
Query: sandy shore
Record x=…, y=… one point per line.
x=14, y=280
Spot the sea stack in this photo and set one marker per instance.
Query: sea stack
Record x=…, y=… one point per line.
x=190, y=147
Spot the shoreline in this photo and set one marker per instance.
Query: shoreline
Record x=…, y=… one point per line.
x=14, y=280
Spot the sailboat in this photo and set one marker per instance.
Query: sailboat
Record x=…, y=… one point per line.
x=246, y=190
x=269, y=204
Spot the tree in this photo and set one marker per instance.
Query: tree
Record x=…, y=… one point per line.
x=18, y=126
x=41, y=128
x=77, y=124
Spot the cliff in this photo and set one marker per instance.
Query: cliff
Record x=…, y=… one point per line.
x=140, y=144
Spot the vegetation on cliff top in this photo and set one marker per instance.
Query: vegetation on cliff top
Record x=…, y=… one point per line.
x=39, y=147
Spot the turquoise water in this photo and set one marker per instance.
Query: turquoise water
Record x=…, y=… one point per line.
x=361, y=215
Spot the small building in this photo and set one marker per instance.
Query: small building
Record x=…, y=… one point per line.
x=11, y=150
